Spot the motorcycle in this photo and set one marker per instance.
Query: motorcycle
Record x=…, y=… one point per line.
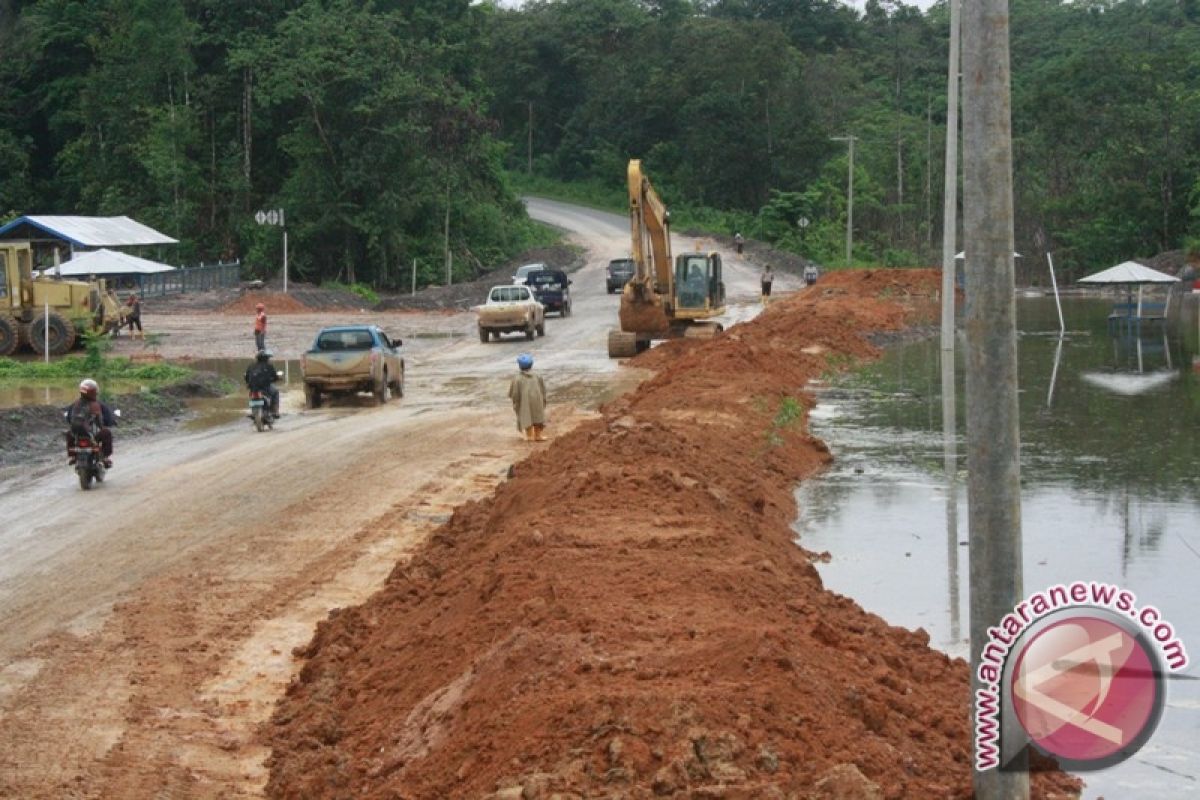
x=260, y=411
x=89, y=456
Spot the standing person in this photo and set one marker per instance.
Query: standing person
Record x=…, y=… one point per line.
x=768, y=277
x=260, y=327
x=133, y=315
x=528, y=395
x=810, y=274
x=739, y=241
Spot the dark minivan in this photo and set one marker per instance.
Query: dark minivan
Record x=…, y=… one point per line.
x=552, y=288
x=620, y=270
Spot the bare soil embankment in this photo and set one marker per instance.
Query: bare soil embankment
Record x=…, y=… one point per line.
x=629, y=614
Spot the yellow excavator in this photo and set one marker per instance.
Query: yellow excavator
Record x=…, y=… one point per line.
x=665, y=298
x=72, y=306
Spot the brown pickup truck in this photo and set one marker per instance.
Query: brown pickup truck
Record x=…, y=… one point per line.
x=350, y=359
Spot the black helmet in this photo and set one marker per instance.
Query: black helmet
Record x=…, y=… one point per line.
x=264, y=355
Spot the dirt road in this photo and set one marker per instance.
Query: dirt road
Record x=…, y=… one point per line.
x=149, y=624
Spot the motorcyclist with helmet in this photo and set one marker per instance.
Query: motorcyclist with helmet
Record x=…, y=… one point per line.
x=261, y=377
x=85, y=412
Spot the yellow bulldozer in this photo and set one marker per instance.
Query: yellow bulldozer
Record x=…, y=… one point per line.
x=44, y=313
x=665, y=298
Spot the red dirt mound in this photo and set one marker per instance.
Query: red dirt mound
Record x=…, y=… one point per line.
x=630, y=616
x=276, y=303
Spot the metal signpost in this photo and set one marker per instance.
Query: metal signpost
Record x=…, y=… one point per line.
x=275, y=217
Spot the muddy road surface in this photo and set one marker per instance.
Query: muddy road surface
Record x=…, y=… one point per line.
x=149, y=623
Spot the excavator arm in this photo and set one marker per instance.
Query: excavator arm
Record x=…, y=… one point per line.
x=665, y=297
x=644, y=308
x=650, y=230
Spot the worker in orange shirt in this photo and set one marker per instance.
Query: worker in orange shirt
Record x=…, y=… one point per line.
x=260, y=327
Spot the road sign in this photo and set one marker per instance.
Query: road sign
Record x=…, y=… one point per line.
x=802, y=222
x=273, y=216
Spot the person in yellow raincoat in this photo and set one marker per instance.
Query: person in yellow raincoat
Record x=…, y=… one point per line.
x=528, y=395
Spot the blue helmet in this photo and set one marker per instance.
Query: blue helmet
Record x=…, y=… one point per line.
x=524, y=361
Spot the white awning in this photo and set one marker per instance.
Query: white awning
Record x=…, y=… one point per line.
x=89, y=231
x=107, y=262
x=1129, y=272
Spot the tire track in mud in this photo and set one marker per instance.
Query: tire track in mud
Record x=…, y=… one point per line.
x=167, y=695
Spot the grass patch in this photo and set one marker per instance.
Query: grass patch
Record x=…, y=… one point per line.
x=360, y=289
x=74, y=368
x=836, y=364
x=789, y=412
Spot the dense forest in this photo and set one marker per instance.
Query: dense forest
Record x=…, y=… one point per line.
x=387, y=128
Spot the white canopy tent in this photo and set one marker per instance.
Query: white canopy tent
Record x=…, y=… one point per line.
x=107, y=262
x=1130, y=274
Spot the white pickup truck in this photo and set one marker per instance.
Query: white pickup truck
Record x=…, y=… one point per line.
x=508, y=309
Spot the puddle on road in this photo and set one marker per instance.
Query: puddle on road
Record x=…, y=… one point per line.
x=213, y=412
x=1110, y=492
x=234, y=369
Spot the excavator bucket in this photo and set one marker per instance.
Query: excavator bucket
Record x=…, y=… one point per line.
x=643, y=316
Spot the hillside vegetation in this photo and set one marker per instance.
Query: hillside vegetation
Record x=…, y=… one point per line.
x=380, y=126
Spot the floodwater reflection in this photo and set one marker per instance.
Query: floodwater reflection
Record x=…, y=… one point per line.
x=1110, y=492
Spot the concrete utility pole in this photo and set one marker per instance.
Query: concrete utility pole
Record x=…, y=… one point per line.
x=949, y=384
x=849, y=195
x=993, y=431
x=950, y=201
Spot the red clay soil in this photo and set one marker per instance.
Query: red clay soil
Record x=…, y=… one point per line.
x=276, y=303
x=629, y=616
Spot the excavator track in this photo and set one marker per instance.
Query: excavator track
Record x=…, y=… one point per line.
x=622, y=344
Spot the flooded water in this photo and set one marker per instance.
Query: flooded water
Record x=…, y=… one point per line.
x=211, y=412
x=44, y=395
x=1110, y=472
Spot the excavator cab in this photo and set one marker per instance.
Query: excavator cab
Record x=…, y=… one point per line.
x=698, y=284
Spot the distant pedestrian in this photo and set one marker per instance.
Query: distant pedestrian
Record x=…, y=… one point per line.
x=739, y=241
x=133, y=315
x=810, y=274
x=768, y=277
x=528, y=395
x=260, y=327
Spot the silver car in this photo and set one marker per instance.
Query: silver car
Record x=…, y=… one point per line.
x=523, y=273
